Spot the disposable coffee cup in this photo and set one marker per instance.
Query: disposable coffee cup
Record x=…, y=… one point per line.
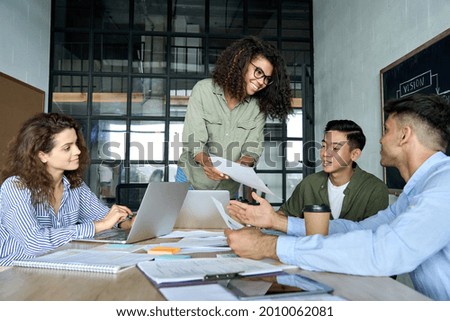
x=317, y=219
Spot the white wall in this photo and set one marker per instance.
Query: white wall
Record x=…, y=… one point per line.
x=25, y=41
x=353, y=41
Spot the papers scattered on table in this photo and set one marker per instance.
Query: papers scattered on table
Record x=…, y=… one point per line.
x=197, y=245
x=200, y=242
x=195, y=233
x=196, y=242
x=241, y=174
x=169, y=272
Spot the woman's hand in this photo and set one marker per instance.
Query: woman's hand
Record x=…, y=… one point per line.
x=213, y=173
x=116, y=214
x=210, y=171
x=128, y=223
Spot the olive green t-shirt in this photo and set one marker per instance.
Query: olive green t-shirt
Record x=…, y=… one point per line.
x=365, y=195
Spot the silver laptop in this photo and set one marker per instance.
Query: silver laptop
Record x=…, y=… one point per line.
x=199, y=211
x=156, y=215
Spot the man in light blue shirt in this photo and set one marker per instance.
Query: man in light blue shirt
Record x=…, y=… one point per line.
x=412, y=235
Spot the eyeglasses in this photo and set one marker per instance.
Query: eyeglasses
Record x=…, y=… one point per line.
x=259, y=73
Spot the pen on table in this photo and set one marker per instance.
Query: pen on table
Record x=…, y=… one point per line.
x=224, y=276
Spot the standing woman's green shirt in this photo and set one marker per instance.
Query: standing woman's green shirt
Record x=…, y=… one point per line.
x=210, y=126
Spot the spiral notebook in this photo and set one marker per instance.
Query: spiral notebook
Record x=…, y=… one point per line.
x=86, y=260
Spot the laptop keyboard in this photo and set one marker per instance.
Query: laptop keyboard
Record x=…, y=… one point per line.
x=114, y=234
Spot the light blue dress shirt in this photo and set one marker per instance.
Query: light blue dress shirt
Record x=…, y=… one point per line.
x=27, y=231
x=412, y=235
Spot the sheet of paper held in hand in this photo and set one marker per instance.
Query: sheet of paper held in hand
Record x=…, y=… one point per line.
x=235, y=225
x=231, y=223
x=241, y=174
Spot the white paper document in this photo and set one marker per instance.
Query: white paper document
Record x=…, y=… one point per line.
x=241, y=174
x=196, y=269
x=231, y=223
x=195, y=233
x=199, y=242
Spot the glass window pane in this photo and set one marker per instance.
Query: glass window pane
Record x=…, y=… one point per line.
x=109, y=95
x=226, y=16
x=71, y=51
x=148, y=97
x=297, y=94
x=103, y=181
x=175, y=140
x=216, y=46
x=292, y=180
x=180, y=91
x=110, y=53
x=72, y=14
x=271, y=157
x=144, y=173
x=84, y=127
x=70, y=94
x=172, y=172
x=294, y=155
x=111, y=15
x=108, y=140
x=273, y=130
x=147, y=140
x=295, y=124
x=296, y=55
x=149, y=54
x=274, y=183
x=263, y=21
x=187, y=55
x=189, y=17
x=150, y=15
x=295, y=19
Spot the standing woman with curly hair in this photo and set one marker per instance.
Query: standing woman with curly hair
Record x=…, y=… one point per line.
x=44, y=202
x=226, y=114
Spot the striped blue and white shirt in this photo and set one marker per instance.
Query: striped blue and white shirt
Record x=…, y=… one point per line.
x=27, y=231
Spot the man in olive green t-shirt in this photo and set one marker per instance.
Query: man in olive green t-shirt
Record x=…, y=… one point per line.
x=351, y=193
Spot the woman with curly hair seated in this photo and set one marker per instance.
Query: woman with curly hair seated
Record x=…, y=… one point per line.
x=44, y=202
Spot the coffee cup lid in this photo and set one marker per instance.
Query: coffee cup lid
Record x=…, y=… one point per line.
x=316, y=208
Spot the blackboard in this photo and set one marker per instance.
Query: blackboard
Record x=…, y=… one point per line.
x=424, y=70
x=18, y=102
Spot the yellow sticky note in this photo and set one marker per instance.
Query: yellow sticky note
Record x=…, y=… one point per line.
x=158, y=250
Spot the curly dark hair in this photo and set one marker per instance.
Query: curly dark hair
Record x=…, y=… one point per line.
x=231, y=67
x=36, y=135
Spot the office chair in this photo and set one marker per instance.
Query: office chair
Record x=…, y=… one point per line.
x=130, y=194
